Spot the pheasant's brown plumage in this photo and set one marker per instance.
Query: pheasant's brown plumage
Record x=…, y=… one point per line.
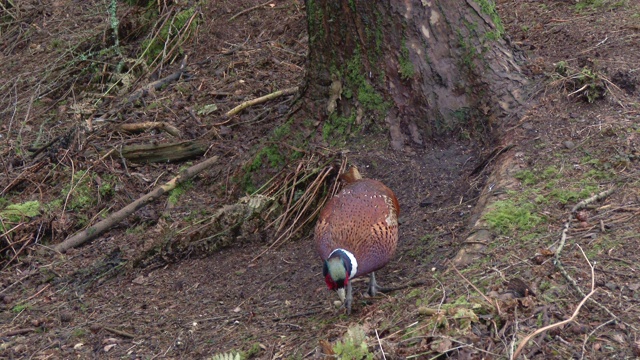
x=362, y=219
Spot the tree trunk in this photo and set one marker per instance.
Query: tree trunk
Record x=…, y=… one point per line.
x=428, y=67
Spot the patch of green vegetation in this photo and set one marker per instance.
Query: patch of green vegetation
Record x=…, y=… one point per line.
x=80, y=192
x=79, y=332
x=468, y=53
x=561, y=68
x=353, y=345
x=597, y=4
x=406, y=70
x=336, y=127
x=106, y=188
x=20, y=308
x=169, y=35
x=178, y=191
x=564, y=196
x=488, y=7
x=506, y=216
x=462, y=312
x=140, y=229
x=352, y=5
x=315, y=21
x=591, y=81
x=253, y=351
x=15, y=213
x=53, y=206
x=356, y=82
x=270, y=155
x=527, y=177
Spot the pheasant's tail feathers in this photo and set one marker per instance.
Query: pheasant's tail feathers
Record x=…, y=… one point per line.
x=351, y=175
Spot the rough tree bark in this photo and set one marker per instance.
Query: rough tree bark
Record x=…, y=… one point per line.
x=427, y=66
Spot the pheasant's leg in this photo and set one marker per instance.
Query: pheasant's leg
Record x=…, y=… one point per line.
x=374, y=288
x=348, y=298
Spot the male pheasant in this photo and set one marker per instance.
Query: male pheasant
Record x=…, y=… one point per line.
x=357, y=233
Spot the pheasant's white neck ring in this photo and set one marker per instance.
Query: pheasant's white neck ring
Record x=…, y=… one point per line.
x=354, y=263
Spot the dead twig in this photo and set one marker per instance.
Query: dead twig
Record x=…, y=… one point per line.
x=119, y=332
x=256, y=101
x=380, y=344
x=524, y=341
x=154, y=86
x=95, y=230
x=586, y=338
x=493, y=304
x=17, y=332
x=249, y=10
x=38, y=293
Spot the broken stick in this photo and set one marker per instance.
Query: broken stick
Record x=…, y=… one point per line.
x=95, y=230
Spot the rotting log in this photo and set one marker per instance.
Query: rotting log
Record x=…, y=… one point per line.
x=96, y=230
x=158, y=153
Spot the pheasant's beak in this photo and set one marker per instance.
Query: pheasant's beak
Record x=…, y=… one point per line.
x=341, y=294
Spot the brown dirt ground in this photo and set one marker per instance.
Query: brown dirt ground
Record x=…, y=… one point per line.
x=201, y=306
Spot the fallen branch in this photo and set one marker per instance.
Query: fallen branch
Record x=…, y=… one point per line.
x=524, y=341
x=150, y=125
x=592, y=199
x=256, y=101
x=96, y=230
x=163, y=153
x=119, y=332
x=158, y=84
x=563, y=238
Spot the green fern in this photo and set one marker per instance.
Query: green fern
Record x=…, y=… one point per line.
x=227, y=356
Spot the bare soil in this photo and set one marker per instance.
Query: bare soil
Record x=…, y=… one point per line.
x=88, y=303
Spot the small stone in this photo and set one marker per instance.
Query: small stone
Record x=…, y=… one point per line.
x=66, y=316
x=582, y=215
x=611, y=286
x=95, y=328
x=569, y=144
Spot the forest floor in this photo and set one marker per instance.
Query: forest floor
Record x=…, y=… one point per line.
x=579, y=137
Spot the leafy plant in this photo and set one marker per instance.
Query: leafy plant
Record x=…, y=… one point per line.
x=15, y=213
x=170, y=36
x=227, y=356
x=354, y=345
